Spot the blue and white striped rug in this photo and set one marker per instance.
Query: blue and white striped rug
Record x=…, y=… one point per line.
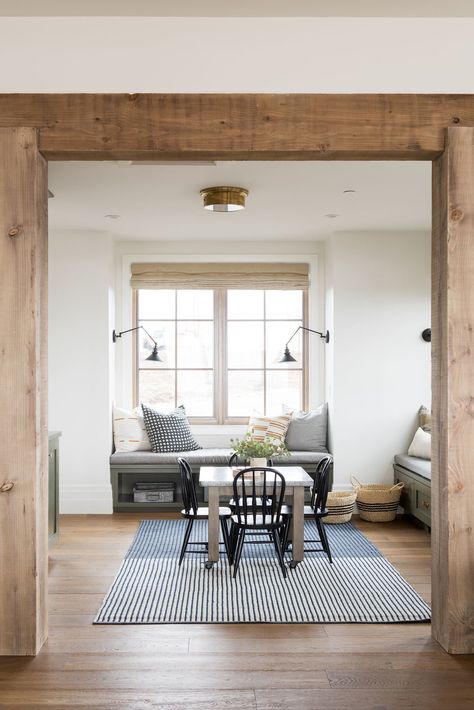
x=360, y=586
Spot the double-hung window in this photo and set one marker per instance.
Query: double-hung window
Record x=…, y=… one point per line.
x=221, y=332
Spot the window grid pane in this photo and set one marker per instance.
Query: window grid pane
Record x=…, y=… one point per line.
x=287, y=311
x=251, y=378
x=186, y=346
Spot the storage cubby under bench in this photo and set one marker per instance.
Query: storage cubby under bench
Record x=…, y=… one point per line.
x=415, y=474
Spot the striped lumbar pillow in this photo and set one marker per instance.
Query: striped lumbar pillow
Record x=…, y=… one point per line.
x=271, y=427
x=129, y=431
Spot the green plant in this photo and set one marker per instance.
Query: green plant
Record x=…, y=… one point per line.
x=250, y=448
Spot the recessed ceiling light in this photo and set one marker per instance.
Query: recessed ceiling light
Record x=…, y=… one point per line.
x=348, y=192
x=331, y=215
x=112, y=216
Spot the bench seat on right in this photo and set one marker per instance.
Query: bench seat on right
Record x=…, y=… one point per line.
x=415, y=474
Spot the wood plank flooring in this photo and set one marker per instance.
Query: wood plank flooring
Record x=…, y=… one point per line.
x=217, y=667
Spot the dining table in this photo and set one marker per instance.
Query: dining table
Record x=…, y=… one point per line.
x=219, y=483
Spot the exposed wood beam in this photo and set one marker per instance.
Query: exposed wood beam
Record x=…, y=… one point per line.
x=453, y=393
x=220, y=126
x=23, y=393
x=239, y=126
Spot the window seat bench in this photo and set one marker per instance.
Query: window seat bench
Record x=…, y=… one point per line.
x=415, y=474
x=129, y=468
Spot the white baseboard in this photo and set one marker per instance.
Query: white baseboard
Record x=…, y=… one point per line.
x=85, y=498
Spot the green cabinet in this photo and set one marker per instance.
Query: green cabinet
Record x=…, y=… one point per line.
x=416, y=494
x=53, y=485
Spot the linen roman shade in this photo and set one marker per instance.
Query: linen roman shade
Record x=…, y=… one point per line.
x=225, y=275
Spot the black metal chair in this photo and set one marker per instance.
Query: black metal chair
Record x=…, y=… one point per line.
x=193, y=512
x=258, y=513
x=316, y=510
x=233, y=461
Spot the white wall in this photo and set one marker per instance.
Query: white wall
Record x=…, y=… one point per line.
x=379, y=303
x=237, y=54
x=80, y=364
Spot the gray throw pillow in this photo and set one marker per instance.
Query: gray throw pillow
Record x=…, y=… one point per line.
x=168, y=432
x=308, y=430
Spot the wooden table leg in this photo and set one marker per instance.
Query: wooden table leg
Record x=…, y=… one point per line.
x=297, y=526
x=213, y=524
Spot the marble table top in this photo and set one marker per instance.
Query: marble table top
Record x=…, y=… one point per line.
x=224, y=476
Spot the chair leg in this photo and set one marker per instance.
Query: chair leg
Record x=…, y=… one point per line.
x=234, y=534
x=286, y=533
x=326, y=541
x=323, y=538
x=278, y=545
x=321, y=534
x=238, y=551
x=187, y=535
x=225, y=535
x=274, y=540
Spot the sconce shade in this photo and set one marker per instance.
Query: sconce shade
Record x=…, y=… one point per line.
x=154, y=357
x=287, y=356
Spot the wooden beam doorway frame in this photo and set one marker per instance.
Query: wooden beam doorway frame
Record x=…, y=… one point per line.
x=438, y=128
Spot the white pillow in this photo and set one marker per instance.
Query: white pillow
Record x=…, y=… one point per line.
x=421, y=445
x=129, y=430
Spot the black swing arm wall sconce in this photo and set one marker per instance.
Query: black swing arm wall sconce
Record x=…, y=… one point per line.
x=154, y=354
x=287, y=356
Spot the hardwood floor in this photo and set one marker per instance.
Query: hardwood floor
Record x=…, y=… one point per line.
x=212, y=667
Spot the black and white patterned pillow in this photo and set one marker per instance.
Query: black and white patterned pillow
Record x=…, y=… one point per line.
x=168, y=432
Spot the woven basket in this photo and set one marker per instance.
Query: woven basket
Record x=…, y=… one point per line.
x=340, y=505
x=377, y=502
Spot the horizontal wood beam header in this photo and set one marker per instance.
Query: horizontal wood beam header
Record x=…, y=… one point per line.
x=238, y=126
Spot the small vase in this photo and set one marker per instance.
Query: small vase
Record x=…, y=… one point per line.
x=257, y=462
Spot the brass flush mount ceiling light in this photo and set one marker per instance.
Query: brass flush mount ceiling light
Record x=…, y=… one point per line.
x=224, y=199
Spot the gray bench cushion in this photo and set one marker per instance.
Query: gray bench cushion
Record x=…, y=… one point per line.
x=297, y=458
x=420, y=466
x=205, y=457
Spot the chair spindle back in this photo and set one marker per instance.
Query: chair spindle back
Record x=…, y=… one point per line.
x=188, y=487
x=259, y=492
x=319, y=494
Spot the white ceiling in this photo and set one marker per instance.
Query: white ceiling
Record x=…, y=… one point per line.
x=244, y=8
x=287, y=200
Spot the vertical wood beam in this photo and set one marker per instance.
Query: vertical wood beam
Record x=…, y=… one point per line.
x=23, y=392
x=453, y=393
